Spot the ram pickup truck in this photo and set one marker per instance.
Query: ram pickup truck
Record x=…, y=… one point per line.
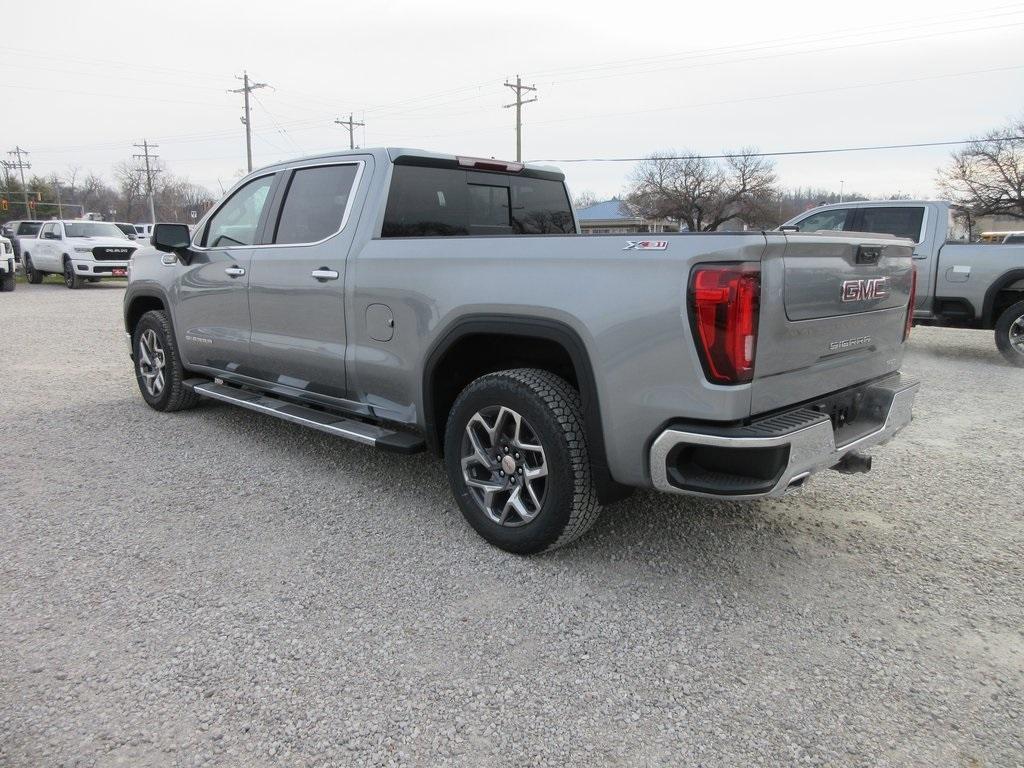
x=79, y=250
x=411, y=300
x=963, y=284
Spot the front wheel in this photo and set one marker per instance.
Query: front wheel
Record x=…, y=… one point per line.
x=1010, y=333
x=158, y=369
x=516, y=457
x=35, y=277
x=71, y=278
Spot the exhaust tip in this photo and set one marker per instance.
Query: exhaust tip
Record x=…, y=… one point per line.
x=854, y=463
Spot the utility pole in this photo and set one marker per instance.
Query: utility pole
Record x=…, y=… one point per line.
x=518, y=87
x=21, y=165
x=350, y=125
x=145, y=146
x=841, y=183
x=244, y=90
x=60, y=208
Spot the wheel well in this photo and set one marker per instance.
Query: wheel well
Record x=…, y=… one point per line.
x=493, y=343
x=140, y=306
x=475, y=355
x=1003, y=301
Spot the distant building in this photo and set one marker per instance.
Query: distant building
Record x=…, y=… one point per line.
x=612, y=217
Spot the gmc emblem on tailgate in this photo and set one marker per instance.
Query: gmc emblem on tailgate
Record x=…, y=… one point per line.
x=864, y=289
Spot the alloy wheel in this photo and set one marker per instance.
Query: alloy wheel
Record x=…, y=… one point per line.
x=151, y=362
x=1016, y=334
x=504, y=466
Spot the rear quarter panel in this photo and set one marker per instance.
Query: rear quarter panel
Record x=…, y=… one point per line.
x=628, y=307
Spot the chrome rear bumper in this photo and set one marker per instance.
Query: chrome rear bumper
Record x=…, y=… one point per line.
x=804, y=440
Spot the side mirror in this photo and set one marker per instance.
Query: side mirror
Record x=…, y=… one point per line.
x=789, y=228
x=173, y=238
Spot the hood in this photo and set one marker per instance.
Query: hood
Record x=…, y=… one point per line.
x=103, y=242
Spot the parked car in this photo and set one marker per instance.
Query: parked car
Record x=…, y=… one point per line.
x=409, y=300
x=6, y=265
x=16, y=230
x=971, y=285
x=79, y=250
x=127, y=229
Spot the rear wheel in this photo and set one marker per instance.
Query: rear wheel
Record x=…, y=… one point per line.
x=1010, y=333
x=158, y=369
x=35, y=277
x=71, y=279
x=517, y=463
x=7, y=282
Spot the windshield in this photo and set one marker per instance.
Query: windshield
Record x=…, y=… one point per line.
x=92, y=229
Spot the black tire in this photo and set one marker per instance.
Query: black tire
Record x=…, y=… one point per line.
x=1010, y=334
x=7, y=282
x=174, y=395
x=35, y=277
x=551, y=410
x=94, y=279
x=72, y=279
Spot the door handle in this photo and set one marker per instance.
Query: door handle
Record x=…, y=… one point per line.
x=324, y=274
x=234, y=271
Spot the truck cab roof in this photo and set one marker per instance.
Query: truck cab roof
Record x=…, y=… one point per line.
x=412, y=155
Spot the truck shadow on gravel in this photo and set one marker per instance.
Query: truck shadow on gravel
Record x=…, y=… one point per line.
x=414, y=491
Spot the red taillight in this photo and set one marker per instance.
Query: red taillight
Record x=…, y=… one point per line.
x=724, y=304
x=910, y=304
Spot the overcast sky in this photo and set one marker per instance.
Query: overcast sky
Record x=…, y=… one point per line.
x=613, y=79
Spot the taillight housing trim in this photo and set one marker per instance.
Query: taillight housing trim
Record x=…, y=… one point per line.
x=724, y=301
x=910, y=302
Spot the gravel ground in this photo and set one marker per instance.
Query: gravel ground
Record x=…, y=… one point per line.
x=216, y=587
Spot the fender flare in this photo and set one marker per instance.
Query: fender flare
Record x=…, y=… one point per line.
x=988, y=319
x=147, y=292
x=544, y=328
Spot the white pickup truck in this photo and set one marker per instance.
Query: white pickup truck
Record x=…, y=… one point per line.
x=79, y=250
x=959, y=283
x=6, y=265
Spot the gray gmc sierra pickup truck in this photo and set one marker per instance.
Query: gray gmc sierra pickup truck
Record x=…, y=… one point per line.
x=411, y=300
x=959, y=283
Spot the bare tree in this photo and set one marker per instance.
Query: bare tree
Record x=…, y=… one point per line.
x=704, y=194
x=987, y=176
x=131, y=183
x=584, y=199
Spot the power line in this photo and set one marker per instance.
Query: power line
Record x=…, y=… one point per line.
x=21, y=165
x=145, y=146
x=246, y=88
x=519, y=88
x=788, y=153
x=351, y=128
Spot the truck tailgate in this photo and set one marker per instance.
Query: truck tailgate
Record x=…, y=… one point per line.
x=833, y=311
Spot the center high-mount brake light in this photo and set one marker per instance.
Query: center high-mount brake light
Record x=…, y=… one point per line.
x=724, y=306
x=910, y=303
x=485, y=164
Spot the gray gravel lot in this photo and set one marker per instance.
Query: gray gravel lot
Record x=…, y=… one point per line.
x=216, y=587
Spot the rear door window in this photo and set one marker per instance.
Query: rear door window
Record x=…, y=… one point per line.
x=891, y=220
x=29, y=228
x=237, y=221
x=315, y=203
x=824, y=221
